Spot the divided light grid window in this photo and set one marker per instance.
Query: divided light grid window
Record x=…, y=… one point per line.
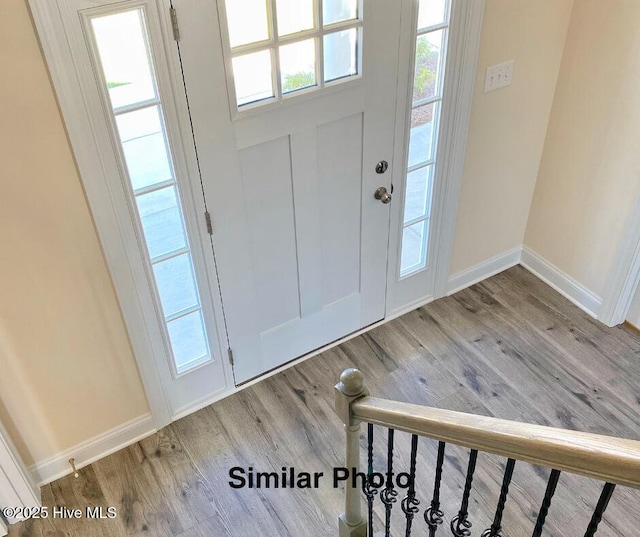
x=126, y=70
x=280, y=47
x=426, y=101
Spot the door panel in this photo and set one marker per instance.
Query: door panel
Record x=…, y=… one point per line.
x=300, y=241
x=339, y=189
x=268, y=184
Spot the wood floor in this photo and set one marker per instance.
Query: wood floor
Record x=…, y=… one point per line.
x=508, y=347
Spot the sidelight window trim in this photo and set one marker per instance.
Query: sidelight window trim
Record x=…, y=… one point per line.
x=68, y=58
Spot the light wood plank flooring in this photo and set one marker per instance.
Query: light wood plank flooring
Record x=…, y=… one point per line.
x=508, y=347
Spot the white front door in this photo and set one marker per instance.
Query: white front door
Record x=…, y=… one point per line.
x=293, y=106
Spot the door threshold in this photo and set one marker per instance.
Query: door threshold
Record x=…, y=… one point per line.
x=309, y=354
x=199, y=405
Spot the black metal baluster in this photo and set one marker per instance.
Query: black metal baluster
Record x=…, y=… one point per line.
x=433, y=515
x=367, y=488
x=460, y=525
x=409, y=503
x=546, y=502
x=389, y=495
x=494, y=530
x=605, y=496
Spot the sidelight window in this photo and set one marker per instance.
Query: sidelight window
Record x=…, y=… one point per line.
x=426, y=102
x=126, y=71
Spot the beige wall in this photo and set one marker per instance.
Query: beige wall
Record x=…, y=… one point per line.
x=67, y=372
x=590, y=171
x=508, y=126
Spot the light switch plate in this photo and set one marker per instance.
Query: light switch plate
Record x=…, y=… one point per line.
x=498, y=76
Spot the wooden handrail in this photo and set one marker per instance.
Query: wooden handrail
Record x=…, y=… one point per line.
x=615, y=460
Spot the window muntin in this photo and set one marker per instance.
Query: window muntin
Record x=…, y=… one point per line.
x=426, y=103
x=290, y=46
x=127, y=73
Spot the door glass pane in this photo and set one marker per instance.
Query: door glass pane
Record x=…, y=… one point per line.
x=161, y=221
x=176, y=284
x=294, y=16
x=188, y=340
x=298, y=65
x=144, y=146
x=431, y=12
x=339, y=10
x=253, y=77
x=121, y=41
x=421, y=136
x=414, y=245
x=340, y=57
x=425, y=82
x=418, y=194
x=140, y=123
x=247, y=21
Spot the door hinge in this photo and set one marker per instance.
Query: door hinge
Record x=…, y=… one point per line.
x=174, y=24
x=207, y=219
x=230, y=353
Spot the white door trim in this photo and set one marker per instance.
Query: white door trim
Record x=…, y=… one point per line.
x=466, y=30
x=59, y=60
x=625, y=275
x=17, y=489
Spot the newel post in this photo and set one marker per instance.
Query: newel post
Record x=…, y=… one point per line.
x=350, y=388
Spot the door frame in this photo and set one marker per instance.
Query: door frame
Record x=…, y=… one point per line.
x=17, y=489
x=114, y=222
x=115, y=235
x=625, y=274
x=465, y=29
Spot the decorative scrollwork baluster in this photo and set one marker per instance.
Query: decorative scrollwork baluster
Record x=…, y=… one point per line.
x=388, y=495
x=546, y=502
x=603, y=502
x=433, y=515
x=460, y=524
x=367, y=487
x=410, y=503
x=496, y=527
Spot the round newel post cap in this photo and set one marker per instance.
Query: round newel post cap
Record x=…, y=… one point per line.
x=352, y=382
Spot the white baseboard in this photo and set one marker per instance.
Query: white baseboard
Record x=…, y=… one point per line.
x=561, y=282
x=490, y=267
x=100, y=446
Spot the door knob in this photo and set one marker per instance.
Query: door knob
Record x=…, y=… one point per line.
x=382, y=195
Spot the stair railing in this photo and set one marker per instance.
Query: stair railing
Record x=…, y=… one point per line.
x=615, y=461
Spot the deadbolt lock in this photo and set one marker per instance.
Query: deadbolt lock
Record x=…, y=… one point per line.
x=382, y=167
